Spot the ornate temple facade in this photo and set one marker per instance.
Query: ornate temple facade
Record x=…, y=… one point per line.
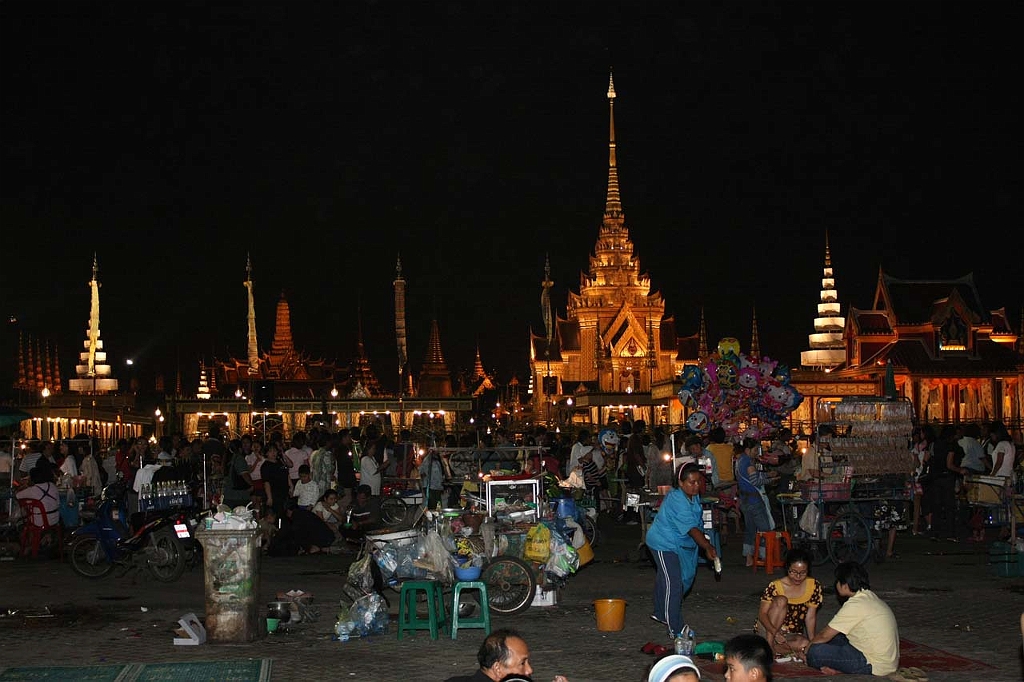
x=284, y=389
x=614, y=343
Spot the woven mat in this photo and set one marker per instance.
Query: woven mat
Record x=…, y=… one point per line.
x=912, y=655
x=62, y=673
x=245, y=670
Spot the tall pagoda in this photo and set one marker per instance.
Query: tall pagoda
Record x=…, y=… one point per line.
x=828, y=348
x=93, y=374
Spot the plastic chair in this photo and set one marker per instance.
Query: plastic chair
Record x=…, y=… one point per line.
x=773, y=556
x=408, y=619
x=481, y=621
x=32, y=530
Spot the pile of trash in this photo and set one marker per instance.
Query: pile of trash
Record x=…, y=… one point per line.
x=226, y=518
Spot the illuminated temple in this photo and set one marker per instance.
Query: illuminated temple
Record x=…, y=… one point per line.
x=614, y=344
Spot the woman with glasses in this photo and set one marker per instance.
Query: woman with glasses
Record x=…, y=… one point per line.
x=789, y=607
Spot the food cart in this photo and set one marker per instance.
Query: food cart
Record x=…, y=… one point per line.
x=862, y=489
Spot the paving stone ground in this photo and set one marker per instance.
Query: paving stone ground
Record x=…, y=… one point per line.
x=943, y=595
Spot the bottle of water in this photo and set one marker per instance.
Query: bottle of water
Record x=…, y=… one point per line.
x=684, y=641
x=680, y=643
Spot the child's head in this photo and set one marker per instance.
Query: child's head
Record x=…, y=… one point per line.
x=330, y=497
x=748, y=658
x=674, y=668
x=304, y=475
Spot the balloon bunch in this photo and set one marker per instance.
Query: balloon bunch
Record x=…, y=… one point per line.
x=745, y=395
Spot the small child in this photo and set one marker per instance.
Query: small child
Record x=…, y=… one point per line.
x=748, y=658
x=268, y=528
x=306, y=489
x=674, y=668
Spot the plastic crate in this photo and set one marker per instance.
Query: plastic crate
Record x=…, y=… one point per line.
x=1005, y=561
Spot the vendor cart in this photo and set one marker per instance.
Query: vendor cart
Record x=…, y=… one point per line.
x=513, y=505
x=861, y=489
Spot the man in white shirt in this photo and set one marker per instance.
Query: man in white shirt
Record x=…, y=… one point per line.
x=581, y=447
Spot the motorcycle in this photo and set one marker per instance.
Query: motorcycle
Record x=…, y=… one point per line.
x=109, y=541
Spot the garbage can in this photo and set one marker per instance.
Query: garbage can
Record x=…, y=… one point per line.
x=231, y=564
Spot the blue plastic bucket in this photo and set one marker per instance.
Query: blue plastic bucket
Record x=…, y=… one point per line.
x=566, y=508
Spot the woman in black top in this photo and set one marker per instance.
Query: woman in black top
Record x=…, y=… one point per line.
x=274, y=475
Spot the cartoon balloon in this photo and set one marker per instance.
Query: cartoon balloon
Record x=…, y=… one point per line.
x=698, y=422
x=782, y=374
x=728, y=346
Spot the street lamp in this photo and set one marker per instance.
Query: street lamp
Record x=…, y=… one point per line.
x=46, y=394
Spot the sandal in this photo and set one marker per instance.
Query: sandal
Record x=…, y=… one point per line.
x=648, y=648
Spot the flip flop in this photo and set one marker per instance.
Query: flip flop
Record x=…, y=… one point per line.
x=918, y=674
x=648, y=648
x=659, y=650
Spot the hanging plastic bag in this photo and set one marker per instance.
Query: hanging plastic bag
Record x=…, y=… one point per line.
x=360, y=574
x=538, y=544
x=575, y=480
x=574, y=531
x=809, y=519
x=436, y=557
x=563, y=559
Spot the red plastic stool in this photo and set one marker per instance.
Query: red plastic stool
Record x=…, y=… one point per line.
x=773, y=554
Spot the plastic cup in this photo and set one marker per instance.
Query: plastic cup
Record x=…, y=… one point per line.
x=272, y=624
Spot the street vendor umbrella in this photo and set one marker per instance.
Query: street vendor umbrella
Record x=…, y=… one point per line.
x=889, y=387
x=12, y=415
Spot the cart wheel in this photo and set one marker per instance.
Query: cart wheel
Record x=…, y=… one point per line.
x=589, y=526
x=817, y=549
x=849, y=539
x=393, y=511
x=511, y=585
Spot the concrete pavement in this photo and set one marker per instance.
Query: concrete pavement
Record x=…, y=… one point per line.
x=942, y=593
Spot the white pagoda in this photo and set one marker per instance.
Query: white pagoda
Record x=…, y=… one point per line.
x=93, y=372
x=828, y=350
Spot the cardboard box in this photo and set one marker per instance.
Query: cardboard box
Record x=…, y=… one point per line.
x=192, y=630
x=985, y=489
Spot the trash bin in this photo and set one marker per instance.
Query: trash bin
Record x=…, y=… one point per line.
x=231, y=564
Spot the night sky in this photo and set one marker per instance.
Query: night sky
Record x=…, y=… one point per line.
x=327, y=138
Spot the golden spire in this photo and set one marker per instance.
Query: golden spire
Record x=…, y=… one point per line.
x=755, y=341
x=702, y=336
x=22, y=381
x=253, y=356
x=828, y=252
x=613, y=203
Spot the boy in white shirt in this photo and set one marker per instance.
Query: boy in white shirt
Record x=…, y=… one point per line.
x=307, y=491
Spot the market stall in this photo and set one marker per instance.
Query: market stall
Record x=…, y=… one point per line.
x=861, y=489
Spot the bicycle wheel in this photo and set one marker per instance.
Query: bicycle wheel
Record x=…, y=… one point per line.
x=589, y=526
x=849, y=538
x=511, y=584
x=88, y=558
x=393, y=511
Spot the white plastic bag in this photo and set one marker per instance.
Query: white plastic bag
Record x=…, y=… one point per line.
x=809, y=519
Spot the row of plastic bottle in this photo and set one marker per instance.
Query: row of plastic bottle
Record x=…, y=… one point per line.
x=163, y=489
x=685, y=641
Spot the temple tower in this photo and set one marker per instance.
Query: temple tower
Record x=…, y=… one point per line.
x=435, y=380
x=828, y=349
x=253, y=355
x=93, y=374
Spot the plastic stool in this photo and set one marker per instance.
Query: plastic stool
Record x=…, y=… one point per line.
x=408, y=619
x=481, y=621
x=773, y=541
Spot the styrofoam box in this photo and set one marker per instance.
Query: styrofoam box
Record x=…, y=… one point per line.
x=542, y=598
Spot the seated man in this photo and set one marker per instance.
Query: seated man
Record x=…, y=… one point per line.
x=862, y=637
x=44, y=490
x=365, y=514
x=503, y=655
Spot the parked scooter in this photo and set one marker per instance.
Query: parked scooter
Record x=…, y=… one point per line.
x=108, y=541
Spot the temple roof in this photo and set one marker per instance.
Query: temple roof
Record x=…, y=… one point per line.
x=911, y=355
x=914, y=301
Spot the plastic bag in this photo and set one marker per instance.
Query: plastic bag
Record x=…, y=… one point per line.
x=538, y=544
x=574, y=531
x=436, y=556
x=360, y=574
x=809, y=519
x=369, y=615
x=563, y=559
x=575, y=480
